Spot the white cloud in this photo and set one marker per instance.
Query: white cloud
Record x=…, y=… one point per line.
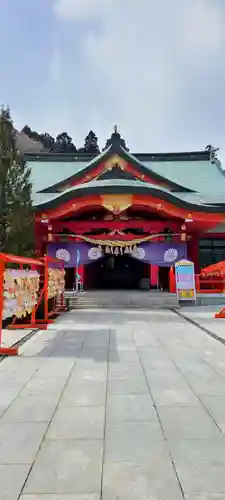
x=78, y=9
x=201, y=26
x=143, y=65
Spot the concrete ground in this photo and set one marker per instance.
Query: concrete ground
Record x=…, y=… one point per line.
x=11, y=337
x=115, y=405
x=204, y=316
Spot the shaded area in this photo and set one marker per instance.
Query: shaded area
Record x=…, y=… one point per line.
x=121, y=272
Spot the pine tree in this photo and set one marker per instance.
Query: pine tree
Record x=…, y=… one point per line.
x=7, y=149
x=91, y=143
x=47, y=140
x=16, y=214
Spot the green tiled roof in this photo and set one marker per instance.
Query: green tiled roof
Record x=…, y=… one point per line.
x=44, y=174
x=114, y=185
x=202, y=176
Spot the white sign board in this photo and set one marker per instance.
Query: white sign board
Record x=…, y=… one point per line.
x=185, y=280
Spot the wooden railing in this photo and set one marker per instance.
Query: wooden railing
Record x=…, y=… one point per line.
x=203, y=285
x=209, y=285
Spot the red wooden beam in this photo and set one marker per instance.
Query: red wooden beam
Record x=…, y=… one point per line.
x=81, y=227
x=120, y=237
x=8, y=258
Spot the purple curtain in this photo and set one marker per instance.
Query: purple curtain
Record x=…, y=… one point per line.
x=161, y=254
x=68, y=252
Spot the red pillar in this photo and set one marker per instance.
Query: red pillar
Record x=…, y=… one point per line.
x=172, y=282
x=192, y=251
x=40, y=234
x=154, y=272
x=81, y=273
x=197, y=283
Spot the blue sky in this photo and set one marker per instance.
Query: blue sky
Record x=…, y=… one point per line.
x=156, y=68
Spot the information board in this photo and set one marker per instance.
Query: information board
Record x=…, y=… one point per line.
x=185, y=280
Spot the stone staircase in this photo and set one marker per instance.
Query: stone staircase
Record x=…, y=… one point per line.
x=121, y=300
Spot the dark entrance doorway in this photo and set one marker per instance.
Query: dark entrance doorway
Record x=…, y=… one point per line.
x=164, y=279
x=121, y=272
x=69, y=278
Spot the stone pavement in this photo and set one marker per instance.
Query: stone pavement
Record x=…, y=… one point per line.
x=11, y=337
x=204, y=316
x=115, y=405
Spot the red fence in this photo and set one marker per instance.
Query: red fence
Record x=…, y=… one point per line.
x=207, y=282
x=43, y=266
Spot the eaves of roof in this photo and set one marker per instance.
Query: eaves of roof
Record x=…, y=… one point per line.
x=194, y=203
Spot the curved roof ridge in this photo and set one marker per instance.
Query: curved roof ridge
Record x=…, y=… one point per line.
x=122, y=186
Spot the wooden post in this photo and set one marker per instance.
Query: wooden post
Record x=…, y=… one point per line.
x=2, y=270
x=4, y=351
x=46, y=289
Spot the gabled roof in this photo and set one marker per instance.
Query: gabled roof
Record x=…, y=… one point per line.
x=84, y=173
x=188, y=176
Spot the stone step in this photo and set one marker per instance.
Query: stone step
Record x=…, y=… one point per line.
x=121, y=300
x=120, y=306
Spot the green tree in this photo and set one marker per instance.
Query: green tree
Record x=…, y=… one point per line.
x=91, y=143
x=16, y=214
x=7, y=150
x=64, y=144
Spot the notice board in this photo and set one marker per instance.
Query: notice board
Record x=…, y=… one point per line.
x=185, y=280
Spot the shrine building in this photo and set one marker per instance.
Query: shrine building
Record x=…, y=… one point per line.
x=121, y=220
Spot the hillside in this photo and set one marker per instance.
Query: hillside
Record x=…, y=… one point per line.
x=25, y=144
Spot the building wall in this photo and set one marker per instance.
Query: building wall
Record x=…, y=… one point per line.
x=211, y=249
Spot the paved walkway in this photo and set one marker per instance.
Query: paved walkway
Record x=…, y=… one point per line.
x=114, y=405
x=11, y=337
x=204, y=316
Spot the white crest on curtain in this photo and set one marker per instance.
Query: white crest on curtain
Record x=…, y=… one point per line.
x=94, y=253
x=170, y=255
x=138, y=253
x=63, y=254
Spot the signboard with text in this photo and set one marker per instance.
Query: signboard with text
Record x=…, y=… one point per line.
x=185, y=280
